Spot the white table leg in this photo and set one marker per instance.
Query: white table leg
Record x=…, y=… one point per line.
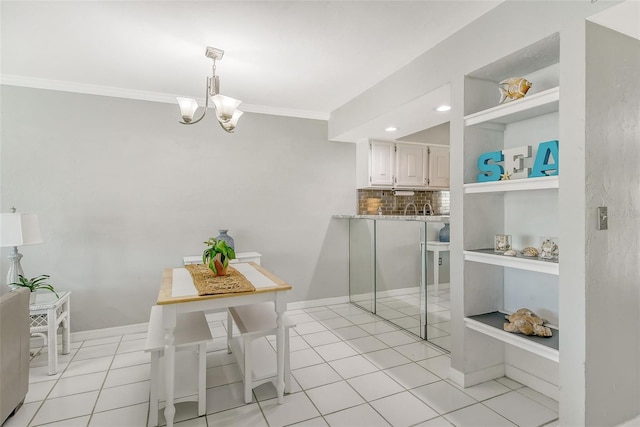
x=169, y=322
x=280, y=309
x=66, y=326
x=287, y=361
x=52, y=326
x=229, y=331
x=202, y=379
x=436, y=270
x=154, y=384
x=248, y=369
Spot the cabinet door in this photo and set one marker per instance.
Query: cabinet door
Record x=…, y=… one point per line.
x=411, y=162
x=381, y=164
x=439, y=167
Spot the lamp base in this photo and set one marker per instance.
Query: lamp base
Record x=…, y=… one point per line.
x=15, y=269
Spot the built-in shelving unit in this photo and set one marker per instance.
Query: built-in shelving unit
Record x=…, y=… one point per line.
x=544, y=102
x=543, y=183
x=526, y=209
x=488, y=256
x=491, y=324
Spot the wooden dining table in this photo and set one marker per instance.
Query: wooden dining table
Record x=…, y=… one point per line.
x=178, y=294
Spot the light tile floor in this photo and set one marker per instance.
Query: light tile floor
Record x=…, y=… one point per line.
x=349, y=369
x=405, y=308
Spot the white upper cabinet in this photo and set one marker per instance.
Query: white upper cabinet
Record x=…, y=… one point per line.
x=411, y=165
x=388, y=164
x=438, y=167
x=381, y=168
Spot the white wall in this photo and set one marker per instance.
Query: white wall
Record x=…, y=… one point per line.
x=612, y=288
x=123, y=190
x=589, y=341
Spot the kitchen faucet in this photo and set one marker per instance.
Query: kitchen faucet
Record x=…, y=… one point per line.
x=414, y=207
x=424, y=209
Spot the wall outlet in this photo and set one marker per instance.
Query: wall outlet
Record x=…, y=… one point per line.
x=439, y=261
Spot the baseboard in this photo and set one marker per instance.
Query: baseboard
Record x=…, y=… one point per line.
x=93, y=334
x=397, y=292
x=211, y=317
x=317, y=302
x=634, y=422
x=468, y=379
x=533, y=382
x=440, y=286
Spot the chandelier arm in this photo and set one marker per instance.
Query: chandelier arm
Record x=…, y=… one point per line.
x=206, y=105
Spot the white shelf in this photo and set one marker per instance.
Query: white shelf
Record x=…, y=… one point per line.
x=542, y=183
x=487, y=256
x=544, y=102
x=491, y=324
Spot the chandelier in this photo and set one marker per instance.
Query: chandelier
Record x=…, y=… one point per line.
x=226, y=108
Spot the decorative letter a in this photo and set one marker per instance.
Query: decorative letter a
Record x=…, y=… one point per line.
x=542, y=167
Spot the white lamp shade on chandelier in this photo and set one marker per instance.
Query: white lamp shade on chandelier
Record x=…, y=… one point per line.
x=231, y=124
x=225, y=107
x=18, y=229
x=188, y=107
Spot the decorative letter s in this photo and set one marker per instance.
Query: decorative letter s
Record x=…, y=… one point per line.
x=490, y=171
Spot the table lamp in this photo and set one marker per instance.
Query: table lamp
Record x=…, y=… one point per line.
x=18, y=229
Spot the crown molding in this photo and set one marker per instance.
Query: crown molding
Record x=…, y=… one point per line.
x=65, y=86
x=276, y=111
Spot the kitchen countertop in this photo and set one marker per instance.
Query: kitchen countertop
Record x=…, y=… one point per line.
x=424, y=218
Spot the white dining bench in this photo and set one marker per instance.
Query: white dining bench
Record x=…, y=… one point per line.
x=256, y=358
x=191, y=336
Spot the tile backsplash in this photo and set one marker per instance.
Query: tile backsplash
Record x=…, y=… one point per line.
x=370, y=200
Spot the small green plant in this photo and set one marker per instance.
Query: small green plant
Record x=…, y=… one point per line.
x=217, y=256
x=35, y=283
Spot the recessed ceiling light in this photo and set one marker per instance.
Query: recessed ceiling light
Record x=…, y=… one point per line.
x=443, y=108
x=391, y=129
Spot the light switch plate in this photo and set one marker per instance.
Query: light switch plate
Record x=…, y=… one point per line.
x=603, y=218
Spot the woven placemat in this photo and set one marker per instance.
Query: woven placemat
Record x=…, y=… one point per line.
x=208, y=284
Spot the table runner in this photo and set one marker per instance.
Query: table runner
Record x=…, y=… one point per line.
x=208, y=284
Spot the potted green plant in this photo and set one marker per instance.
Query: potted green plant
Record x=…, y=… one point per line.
x=217, y=256
x=35, y=283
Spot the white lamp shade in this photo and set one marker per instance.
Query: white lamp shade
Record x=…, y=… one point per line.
x=188, y=107
x=231, y=124
x=18, y=229
x=225, y=107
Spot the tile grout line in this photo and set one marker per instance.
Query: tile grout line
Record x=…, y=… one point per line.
x=56, y=380
x=95, y=404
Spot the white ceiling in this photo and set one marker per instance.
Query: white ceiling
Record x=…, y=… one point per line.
x=303, y=58
x=298, y=58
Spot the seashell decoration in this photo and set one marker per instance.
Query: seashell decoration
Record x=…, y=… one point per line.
x=530, y=251
x=513, y=88
x=510, y=252
x=525, y=321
